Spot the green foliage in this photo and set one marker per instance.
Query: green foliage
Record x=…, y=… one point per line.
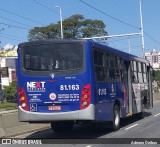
x=75, y=26
x=157, y=75
x=8, y=105
x=10, y=92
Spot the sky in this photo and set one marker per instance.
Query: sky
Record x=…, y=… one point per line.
x=17, y=17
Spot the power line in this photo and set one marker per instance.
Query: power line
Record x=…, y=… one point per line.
x=109, y=15
x=119, y=20
x=152, y=38
x=15, y=21
x=22, y=16
x=37, y=2
x=9, y=25
x=44, y=6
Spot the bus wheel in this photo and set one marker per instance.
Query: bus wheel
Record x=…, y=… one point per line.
x=116, y=118
x=61, y=126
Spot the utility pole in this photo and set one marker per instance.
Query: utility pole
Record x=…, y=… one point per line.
x=121, y=35
x=111, y=36
x=60, y=13
x=128, y=35
x=142, y=32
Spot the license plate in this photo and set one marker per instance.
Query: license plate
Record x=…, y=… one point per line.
x=54, y=107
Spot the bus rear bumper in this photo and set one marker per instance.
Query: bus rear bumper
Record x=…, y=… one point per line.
x=27, y=116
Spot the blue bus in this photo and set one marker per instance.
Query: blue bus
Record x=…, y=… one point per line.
x=69, y=81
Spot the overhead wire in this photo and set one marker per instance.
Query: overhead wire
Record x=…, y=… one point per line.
x=9, y=25
x=109, y=15
x=119, y=20
x=152, y=38
x=37, y=2
x=21, y=16
x=16, y=22
x=93, y=7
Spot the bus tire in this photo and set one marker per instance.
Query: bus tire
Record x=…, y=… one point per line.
x=116, y=118
x=61, y=126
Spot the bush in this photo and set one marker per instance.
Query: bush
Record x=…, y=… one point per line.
x=10, y=92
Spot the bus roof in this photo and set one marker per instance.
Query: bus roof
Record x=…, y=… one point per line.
x=123, y=54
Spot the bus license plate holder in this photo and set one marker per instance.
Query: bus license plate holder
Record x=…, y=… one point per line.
x=54, y=107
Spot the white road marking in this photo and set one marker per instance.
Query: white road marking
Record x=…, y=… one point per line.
x=89, y=146
x=157, y=114
x=131, y=127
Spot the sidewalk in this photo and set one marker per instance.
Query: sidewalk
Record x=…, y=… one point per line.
x=10, y=125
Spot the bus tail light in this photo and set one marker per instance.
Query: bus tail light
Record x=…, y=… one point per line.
x=23, y=99
x=85, y=96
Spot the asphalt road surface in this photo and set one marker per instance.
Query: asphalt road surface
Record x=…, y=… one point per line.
x=132, y=130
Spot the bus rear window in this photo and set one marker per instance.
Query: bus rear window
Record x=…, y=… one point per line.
x=53, y=57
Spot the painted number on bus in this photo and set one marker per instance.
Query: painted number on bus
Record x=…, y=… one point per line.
x=69, y=87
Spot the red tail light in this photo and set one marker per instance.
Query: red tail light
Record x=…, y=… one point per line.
x=85, y=96
x=23, y=99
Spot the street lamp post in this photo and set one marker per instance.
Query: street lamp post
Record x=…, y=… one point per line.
x=142, y=32
x=60, y=11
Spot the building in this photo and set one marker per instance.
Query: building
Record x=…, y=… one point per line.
x=8, y=67
x=154, y=58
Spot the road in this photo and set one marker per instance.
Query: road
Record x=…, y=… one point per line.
x=132, y=128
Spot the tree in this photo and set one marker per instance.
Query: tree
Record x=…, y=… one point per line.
x=157, y=75
x=75, y=26
x=10, y=92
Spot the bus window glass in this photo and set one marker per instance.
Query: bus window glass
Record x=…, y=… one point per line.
x=98, y=57
x=27, y=61
x=53, y=57
x=34, y=62
x=139, y=67
x=122, y=76
x=106, y=60
x=144, y=68
x=118, y=62
x=118, y=75
x=145, y=78
x=112, y=74
x=98, y=65
x=100, y=75
x=135, y=78
x=134, y=65
x=140, y=77
x=112, y=61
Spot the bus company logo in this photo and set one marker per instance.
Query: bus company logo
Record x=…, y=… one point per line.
x=52, y=96
x=52, y=75
x=36, y=86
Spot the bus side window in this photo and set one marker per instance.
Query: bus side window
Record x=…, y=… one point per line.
x=119, y=69
x=112, y=76
x=140, y=76
x=134, y=72
x=99, y=65
x=144, y=73
x=118, y=75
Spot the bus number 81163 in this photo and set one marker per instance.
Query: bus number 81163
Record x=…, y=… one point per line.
x=69, y=87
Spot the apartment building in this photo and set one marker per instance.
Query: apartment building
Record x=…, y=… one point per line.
x=154, y=58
